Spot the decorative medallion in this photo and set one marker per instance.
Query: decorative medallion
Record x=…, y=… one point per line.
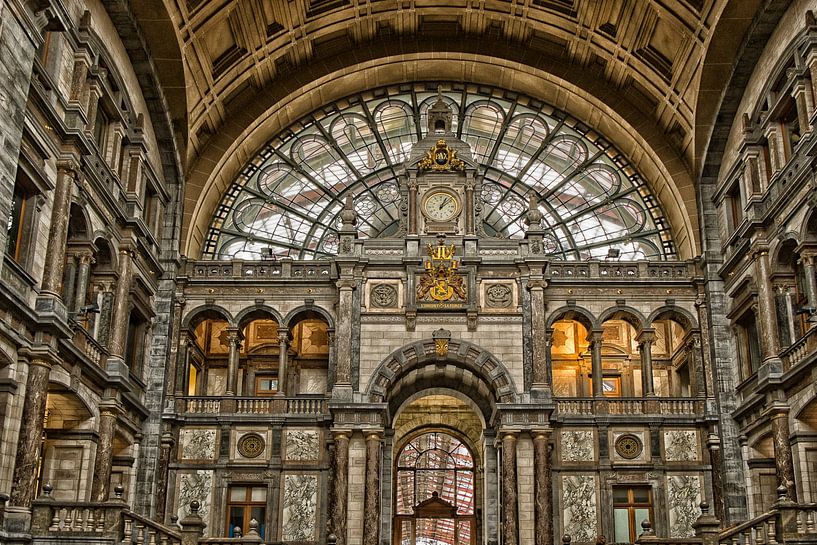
x=251, y=445
x=441, y=158
x=629, y=446
x=498, y=296
x=441, y=281
x=383, y=296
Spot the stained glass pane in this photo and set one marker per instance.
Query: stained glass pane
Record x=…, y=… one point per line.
x=287, y=200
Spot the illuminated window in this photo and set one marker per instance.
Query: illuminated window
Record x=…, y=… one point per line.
x=288, y=198
x=19, y=221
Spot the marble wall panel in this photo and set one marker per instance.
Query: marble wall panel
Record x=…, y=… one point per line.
x=298, y=520
x=681, y=445
x=195, y=485
x=197, y=444
x=579, y=503
x=312, y=381
x=577, y=446
x=302, y=445
x=683, y=504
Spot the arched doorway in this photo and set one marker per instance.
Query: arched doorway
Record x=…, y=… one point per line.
x=437, y=470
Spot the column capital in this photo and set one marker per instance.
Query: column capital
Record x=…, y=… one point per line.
x=283, y=335
x=346, y=284
x=646, y=336
x=595, y=335
x=541, y=433
x=234, y=335
x=341, y=434
x=69, y=165
x=511, y=434
x=373, y=435
x=537, y=284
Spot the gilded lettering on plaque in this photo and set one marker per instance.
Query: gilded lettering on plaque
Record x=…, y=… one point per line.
x=441, y=158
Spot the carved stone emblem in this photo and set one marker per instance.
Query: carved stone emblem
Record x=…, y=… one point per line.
x=251, y=445
x=498, y=296
x=383, y=296
x=629, y=446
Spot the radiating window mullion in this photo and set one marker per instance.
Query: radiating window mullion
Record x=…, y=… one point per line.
x=503, y=129
x=302, y=171
x=376, y=133
x=335, y=146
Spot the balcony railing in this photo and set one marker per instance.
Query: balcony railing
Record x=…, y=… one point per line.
x=253, y=405
x=588, y=406
x=86, y=344
x=797, y=352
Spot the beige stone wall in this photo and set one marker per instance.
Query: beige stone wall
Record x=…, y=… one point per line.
x=524, y=475
x=502, y=338
x=357, y=485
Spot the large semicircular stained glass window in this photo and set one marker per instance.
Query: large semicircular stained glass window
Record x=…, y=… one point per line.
x=287, y=200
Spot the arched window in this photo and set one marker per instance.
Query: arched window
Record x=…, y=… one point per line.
x=435, y=492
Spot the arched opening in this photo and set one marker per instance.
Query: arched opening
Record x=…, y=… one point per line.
x=208, y=355
x=66, y=458
x=308, y=354
x=437, y=471
x=570, y=356
x=790, y=294
x=677, y=369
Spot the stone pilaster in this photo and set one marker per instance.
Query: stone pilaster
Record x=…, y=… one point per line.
x=69, y=281
x=539, y=345
x=31, y=431
x=542, y=493
x=101, y=483
x=713, y=444
x=234, y=342
x=343, y=370
x=769, y=344
x=645, y=341
x=283, y=346
x=784, y=466
x=340, y=488
x=696, y=365
x=510, y=504
x=807, y=262
x=802, y=97
x=371, y=500
x=165, y=450
x=58, y=231
x=594, y=337
x=120, y=316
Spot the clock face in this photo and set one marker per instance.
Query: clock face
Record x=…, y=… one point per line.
x=441, y=206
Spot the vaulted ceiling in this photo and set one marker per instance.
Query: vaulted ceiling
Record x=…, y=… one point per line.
x=642, y=72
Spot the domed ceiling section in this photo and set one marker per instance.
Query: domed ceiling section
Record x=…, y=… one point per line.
x=287, y=199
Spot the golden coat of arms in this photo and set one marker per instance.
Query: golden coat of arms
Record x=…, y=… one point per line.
x=441, y=157
x=441, y=281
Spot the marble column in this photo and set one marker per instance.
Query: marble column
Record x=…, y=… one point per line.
x=340, y=488
x=469, y=206
x=769, y=345
x=412, y=206
x=509, y=489
x=371, y=499
x=713, y=443
x=120, y=316
x=542, y=493
x=595, y=340
x=807, y=262
x=83, y=279
x=784, y=466
x=234, y=343
x=539, y=346
x=343, y=371
x=69, y=281
x=283, y=346
x=31, y=431
x=58, y=232
x=101, y=483
x=645, y=341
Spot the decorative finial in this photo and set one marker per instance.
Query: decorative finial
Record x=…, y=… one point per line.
x=348, y=216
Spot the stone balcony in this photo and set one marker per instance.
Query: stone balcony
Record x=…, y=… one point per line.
x=630, y=406
x=247, y=406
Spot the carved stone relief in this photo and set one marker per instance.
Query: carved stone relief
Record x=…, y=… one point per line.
x=629, y=446
x=680, y=445
x=498, y=296
x=198, y=486
x=383, y=296
x=302, y=445
x=197, y=444
x=579, y=501
x=577, y=446
x=251, y=445
x=299, y=508
x=683, y=502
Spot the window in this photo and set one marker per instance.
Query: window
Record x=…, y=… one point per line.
x=244, y=504
x=631, y=506
x=610, y=386
x=135, y=346
x=101, y=129
x=19, y=221
x=266, y=385
x=748, y=344
x=735, y=210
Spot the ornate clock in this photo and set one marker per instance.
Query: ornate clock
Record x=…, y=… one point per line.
x=441, y=206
